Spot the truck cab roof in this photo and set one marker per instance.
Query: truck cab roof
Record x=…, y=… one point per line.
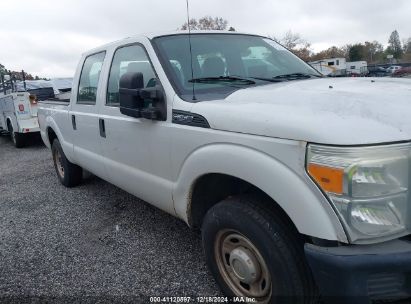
x=152, y=35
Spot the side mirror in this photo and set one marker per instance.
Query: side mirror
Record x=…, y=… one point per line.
x=137, y=101
x=130, y=102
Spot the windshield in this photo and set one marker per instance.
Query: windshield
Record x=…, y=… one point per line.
x=223, y=63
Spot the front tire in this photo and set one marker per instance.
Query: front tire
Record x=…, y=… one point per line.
x=69, y=174
x=252, y=252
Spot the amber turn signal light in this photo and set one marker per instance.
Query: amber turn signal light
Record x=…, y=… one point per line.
x=329, y=179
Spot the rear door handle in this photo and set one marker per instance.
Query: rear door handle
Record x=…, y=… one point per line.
x=102, y=127
x=73, y=122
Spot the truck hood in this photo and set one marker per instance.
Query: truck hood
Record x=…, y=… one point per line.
x=340, y=111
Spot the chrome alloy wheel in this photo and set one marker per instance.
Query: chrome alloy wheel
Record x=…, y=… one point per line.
x=59, y=163
x=242, y=266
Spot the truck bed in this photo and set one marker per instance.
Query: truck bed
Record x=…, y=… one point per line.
x=55, y=101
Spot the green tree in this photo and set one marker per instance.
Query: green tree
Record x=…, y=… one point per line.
x=407, y=50
x=331, y=52
x=206, y=23
x=407, y=46
x=394, y=45
x=356, y=52
x=373, y=51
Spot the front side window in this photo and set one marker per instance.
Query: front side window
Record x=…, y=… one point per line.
x=131, y=58
x=89, y=78
x=223, y=63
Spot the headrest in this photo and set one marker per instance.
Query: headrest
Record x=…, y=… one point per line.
x=213, y=67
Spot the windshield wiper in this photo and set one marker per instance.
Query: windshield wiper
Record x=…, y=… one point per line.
x=222, y=79
x=268, y=79
x=296, y=76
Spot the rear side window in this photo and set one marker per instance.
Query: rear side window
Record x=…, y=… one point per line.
x=132, y=58
x=90, y=75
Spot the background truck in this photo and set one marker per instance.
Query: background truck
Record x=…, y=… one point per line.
x=18, y=108
x=298, y=183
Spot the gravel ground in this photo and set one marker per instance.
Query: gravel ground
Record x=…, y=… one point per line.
x=92, y=243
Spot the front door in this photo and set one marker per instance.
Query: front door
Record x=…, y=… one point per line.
x=137, y=150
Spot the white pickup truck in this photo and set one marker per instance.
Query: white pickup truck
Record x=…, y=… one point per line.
x=300, y=184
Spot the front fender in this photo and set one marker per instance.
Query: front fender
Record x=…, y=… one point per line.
x=306, y=206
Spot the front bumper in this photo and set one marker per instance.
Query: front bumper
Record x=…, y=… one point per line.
x=362, y=273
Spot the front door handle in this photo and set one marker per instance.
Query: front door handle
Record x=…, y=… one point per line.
x=102, y=127
x=73, y=122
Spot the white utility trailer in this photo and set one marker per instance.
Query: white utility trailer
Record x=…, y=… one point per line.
x=18, y=107
x=357, y=68
x=18, y=116
x=330, y=66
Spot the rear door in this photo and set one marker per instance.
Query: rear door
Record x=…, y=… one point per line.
x=84, y=116
x=22, y=106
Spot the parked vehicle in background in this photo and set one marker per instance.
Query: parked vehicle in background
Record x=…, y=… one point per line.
x=331, y=67
x=62, y=87
x=18, y=109
x=340, y=67
x=392, y=69
x=18, y=116
x=376, y=71
x=357, y=68
x=403, y=72
x=298, y=182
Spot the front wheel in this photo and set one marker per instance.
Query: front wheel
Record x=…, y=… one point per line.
x=253, y=253
x=69, y=174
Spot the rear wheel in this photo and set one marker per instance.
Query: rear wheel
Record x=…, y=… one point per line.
x=253, y=253
x=18, y=139
x=69, y=174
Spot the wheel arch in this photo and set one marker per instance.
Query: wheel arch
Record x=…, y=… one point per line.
x=10, y=121
x=238, y=167
x=51, y=132
x=51, y=135
x=211, y=188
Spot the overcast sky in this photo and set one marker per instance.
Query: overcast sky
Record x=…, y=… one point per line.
x=47, y=37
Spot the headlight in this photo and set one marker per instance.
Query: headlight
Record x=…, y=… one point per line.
x=368, y=187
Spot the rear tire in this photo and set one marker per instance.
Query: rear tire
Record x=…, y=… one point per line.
x=69, y=174
x=18, y=139
x=253, y=252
